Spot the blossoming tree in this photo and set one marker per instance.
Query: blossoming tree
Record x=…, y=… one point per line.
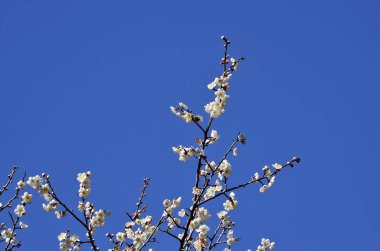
x=187, y=224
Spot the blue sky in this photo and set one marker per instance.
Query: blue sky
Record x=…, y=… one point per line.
x=87, y=85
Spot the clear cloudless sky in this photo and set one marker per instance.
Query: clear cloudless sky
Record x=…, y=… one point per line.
x=87, y=85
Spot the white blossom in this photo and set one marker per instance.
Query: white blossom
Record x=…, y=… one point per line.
x=167, y=203
x=176, y=202
x=210, y=166
x=219, y=82
x=203, y=229
x=264, y=189
x=185, y=152
x=35, y=182
x=62, y=236
x=216, y=107
x=266, y=244
x=8, y=235
x=230, y=238
x=85, y=184
x=183, y=112
x=52, y=205
x=218, y=187
x=60, y=214
x=203, y=214
x=231, y=203
x=98, y=219
x=81, y=206
x=235, y=151
x=198, y=245
x=225, y=169
x=23, y=225
x=20, y=210
x=215, y=135
x=235, y=64
x=277, y=166
x=196, y=191
x=210, y=192
x=120, y=236
x=182, y=213
x=271, y=181
x=267, y=171
x=27, y=198
x=21, y=184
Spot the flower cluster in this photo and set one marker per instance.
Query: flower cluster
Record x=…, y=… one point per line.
x=266, y=244
x=19, y=202
x=201, y=242
x=202, y=215
x=269, y=175
x=214, y=136
x=69, y=243
x=171, y=205
x=84, y=184
x=231, y=203
x=183, y=112
x=225, y=220
x=211, y=190
x=8, y=235
x=224, y=169
x=37, y=183
x=230, y=238
x=186, y=152
x=216, y=108
x=92, y=218
x=138, y=232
